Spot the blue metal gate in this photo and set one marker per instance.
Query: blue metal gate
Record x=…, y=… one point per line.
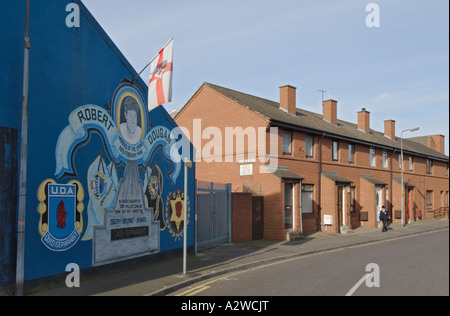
x=213, y=222
x=8, y=202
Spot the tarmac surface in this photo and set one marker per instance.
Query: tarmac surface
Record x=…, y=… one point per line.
x=165, y=276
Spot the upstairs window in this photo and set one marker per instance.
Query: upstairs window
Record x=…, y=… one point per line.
x=309, y=146
x=429, y=166
x=287, y=143
x=351, y=153
x=372, y=157
x=335, y=150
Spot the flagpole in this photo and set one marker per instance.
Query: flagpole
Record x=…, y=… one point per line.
x=153, y=59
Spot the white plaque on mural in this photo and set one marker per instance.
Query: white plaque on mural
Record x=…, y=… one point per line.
x=129, y=228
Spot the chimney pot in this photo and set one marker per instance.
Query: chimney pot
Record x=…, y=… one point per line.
x=330, y=111
x=437, y=142
x=389, y=129
x=364, y=121
x=288, y=99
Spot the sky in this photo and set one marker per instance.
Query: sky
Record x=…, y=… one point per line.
x=399, y=70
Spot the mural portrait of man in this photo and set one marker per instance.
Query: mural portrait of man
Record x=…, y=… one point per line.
x=130, y=129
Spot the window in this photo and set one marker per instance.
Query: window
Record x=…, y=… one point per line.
x=429, y=166
x=372, y=157
x=352, y=199
x=287, y=143
x=335, y=150
x=410, y=163
x=307, y=199
x=351, y=153
x=385, y=159
x=429, y=199
x=309, y=146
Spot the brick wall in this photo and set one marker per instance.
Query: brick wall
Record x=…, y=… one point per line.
x=329, y=204
x=215, y=110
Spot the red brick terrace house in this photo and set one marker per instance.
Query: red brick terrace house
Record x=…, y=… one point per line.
x=331, y=175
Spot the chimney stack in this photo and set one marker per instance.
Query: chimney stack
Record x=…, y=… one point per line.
x=288, y=100
x=389, y=129
x=330, y=111
x=364, y=121
x=437, y=142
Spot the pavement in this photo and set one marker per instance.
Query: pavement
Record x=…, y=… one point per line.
x=165, y=276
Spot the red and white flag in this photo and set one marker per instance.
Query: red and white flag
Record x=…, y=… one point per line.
x=160, y=85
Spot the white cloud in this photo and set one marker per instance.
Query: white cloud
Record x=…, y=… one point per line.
x=383, y=99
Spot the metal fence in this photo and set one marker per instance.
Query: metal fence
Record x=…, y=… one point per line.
x=213, y=223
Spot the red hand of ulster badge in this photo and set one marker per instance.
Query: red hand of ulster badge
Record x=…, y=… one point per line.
x=61, y=215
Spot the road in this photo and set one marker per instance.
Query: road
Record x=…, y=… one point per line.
x=410, y=266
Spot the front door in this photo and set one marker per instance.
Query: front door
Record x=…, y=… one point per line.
x=288, y=205
x=379, y=202
x=258, y=217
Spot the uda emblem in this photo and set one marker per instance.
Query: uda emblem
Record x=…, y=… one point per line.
x=60, y=209
x=175, y=213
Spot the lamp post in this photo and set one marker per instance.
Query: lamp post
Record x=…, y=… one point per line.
x=415, y=129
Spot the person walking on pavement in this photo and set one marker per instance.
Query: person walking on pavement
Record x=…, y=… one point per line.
x=384, y=217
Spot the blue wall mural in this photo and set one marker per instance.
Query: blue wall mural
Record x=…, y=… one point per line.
x=102, y=183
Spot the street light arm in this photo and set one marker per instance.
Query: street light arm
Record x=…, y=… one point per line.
x=415, y=129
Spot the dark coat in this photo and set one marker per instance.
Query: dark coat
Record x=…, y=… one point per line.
x=384, y=216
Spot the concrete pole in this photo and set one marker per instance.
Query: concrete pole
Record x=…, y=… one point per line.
x=187, y=164
x=23, y=163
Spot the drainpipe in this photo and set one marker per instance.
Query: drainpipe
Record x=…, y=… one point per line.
x=319, y=225
x=391, y=212
x=300, y=206
x=23, y=163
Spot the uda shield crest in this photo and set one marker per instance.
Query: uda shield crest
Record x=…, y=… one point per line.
x=175, y=213
x=60, y=209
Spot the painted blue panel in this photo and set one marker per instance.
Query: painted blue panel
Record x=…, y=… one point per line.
x=11, y=62
x=8, y=174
